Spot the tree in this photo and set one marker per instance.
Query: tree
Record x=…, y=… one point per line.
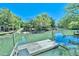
x=40, y=22
x=71, y=18
x=43, y=22
x=28, y=25
x=9, y=20
x=72, y=8
x=74, y=25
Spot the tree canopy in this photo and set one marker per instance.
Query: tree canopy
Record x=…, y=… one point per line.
x=9, y=20
x=71, y=18
x=41, y=22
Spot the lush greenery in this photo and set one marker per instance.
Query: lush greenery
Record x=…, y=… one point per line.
x=8, y=20
x=40, y=22
x=71, y=18
x=11, y=22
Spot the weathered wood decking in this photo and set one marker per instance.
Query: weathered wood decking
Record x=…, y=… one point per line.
x=37, y=47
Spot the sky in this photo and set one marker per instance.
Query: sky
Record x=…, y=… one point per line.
x=29, y=10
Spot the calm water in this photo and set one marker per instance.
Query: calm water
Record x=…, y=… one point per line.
x=59, y=51
x=63, y=40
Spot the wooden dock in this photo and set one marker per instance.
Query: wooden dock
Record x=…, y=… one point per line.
x=37, y=47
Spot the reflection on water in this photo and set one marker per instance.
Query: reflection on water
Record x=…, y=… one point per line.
x=59, y=51
x=61, y=39
x=23, y=41
x=23, y=52
x=73, y=50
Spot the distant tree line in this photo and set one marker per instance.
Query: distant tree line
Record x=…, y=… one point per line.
x=40, y=23
x=10, y=21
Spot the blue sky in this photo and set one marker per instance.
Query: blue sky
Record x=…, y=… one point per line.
x=29, y=10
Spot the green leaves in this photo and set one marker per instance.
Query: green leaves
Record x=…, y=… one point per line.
x=43, y=21
x=40, y=22
x=7, y=18
x=71, y=18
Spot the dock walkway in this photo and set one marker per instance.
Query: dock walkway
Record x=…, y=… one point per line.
x=36, y=47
